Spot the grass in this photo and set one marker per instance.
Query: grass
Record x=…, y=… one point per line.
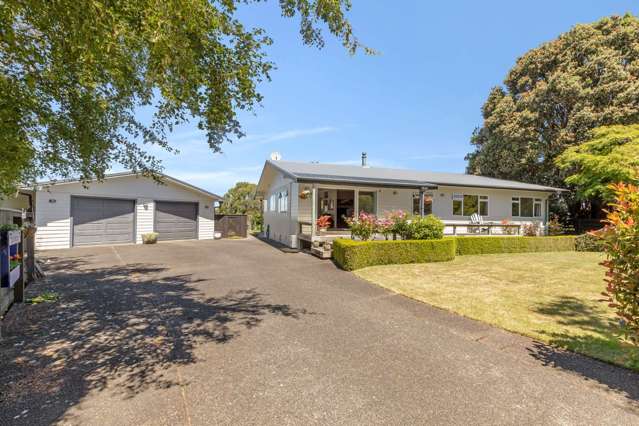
x=552, y=297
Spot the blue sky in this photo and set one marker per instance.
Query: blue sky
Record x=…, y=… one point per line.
x=413, y=106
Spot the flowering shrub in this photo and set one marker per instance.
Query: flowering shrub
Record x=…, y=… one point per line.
x=364, y=227
x=507, y=230
x=400, y=223
x=531, y=229
x=621, y=243
x=324, y=221
x=385, y=226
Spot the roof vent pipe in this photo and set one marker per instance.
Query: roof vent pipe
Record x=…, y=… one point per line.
x=364, y=163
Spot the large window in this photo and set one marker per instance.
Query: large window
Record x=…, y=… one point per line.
x=428, y=203
x=526, y=207
x=469, y=204
x=367, y=202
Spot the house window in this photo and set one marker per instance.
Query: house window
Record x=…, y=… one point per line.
x=468, y=205
x=283, y=202
x=428, y=203
x=526, y=207
x=367, y=202
x=272, y=203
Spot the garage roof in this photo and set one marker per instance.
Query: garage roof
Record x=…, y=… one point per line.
x=162, y=176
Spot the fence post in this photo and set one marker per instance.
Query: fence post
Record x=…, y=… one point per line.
x=18, y=288
x=30, y=258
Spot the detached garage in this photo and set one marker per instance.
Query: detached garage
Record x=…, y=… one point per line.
x=120, y=209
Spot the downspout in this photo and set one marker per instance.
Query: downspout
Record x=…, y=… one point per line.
x=421, y=202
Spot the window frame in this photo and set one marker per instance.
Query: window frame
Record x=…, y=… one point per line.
x=481, y=199
x=536, y=202
x=359, y=204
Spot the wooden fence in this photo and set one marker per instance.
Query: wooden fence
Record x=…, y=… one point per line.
x=231, y=225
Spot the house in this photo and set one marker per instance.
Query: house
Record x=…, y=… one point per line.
x=295, y=194
x=116, y=210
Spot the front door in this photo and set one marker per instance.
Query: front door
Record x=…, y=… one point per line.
x=345, y=207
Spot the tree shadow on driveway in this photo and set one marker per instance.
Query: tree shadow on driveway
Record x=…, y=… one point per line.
x=120, y=327
x=598, y=338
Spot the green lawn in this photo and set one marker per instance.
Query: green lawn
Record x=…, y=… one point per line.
x=552, y=297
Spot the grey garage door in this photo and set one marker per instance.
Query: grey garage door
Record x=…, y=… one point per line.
x=102, y=221
x=175, y=221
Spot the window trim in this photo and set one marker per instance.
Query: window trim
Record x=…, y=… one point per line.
x=480, y=198
x=535, y=201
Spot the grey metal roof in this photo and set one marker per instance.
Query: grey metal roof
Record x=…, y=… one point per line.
x=129, y=173
x=400, y=177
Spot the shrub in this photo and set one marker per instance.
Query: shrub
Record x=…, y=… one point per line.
x=400, y=224
x=588, y=242
x=495, y=244
x=426, y=228
x=364, y=227
x=621, y=242
x=385, y=227
x=351, y=255
x=531, y=229
x=555, y=227
x=150, y=238
x=507, y=230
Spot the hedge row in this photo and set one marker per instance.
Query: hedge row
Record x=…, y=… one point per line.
x=352, y=255
x=496, y=245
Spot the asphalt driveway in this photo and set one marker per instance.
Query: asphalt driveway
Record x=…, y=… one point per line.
x=238, y=332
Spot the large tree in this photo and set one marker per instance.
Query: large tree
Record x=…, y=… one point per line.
x=241, y=200
x=73, y=75
x=552, y=98
x=610, y=156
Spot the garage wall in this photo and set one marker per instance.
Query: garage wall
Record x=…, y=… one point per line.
x=54, y=222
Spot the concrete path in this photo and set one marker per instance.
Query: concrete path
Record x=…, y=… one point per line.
x=238, y=332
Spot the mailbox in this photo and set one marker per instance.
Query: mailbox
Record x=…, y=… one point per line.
x=10, y=258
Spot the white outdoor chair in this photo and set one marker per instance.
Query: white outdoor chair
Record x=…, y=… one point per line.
x=476, y=219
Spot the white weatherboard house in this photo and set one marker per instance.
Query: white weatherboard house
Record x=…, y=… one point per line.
x=295, y=194
x=117, y=210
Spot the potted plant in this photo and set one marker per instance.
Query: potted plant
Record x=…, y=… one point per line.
x=324, y=222
x=305, y=194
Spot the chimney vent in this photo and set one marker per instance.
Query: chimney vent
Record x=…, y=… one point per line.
x=364, y=158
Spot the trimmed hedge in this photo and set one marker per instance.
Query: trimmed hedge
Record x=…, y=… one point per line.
x=351, y=255
x=496, y=245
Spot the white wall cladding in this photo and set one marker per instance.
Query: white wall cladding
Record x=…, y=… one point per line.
x=144, y=217
x=281, y=225
x=53, y=218
x=206, y=224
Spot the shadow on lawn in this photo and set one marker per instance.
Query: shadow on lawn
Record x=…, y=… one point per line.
x=570, y=311
x=121, y=327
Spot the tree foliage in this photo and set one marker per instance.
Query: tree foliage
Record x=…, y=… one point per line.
x=74, y=74
x=621, y=243
x=552, y=98
x=241, y=200
x=610, y=156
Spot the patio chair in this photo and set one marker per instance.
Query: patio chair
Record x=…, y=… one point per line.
x=476, y=219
